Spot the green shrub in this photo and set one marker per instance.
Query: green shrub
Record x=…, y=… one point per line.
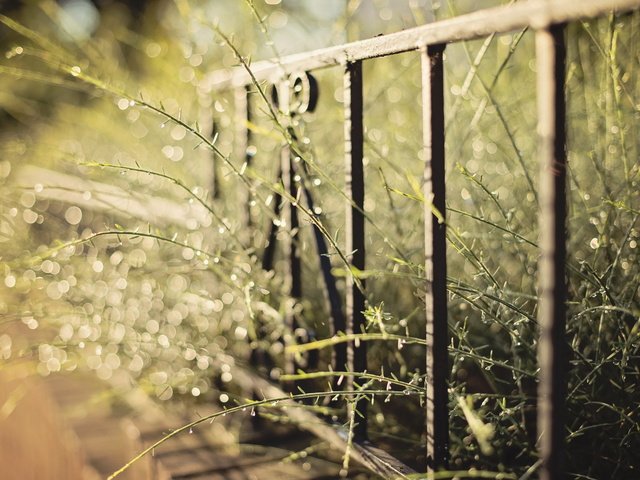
x=141, y=268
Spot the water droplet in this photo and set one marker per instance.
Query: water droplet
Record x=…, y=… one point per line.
x=73, y=215
x=253, y=412
x=16, y=51
x=190, y=430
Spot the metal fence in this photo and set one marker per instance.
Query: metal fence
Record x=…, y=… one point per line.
x=295, y=91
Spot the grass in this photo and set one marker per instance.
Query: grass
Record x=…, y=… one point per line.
x=105, y=307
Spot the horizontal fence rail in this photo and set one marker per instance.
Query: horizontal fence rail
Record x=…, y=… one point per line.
x=291, y=79
x=536, y=14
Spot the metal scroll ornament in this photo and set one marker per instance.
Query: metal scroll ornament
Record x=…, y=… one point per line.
x=296, y=94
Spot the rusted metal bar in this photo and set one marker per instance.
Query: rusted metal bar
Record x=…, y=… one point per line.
x=270, y=247
x=289, y=243
x=437, y=368
x=292, y=253
x=215, y=170
x=533, y=13
x=333, y=296
x=354, y=229
x=244, y=140
x=294, y=227
x=552, y=348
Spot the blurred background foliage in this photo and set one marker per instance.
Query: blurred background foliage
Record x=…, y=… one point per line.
x=124, y=249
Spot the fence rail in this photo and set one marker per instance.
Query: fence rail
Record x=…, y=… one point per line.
x=547, y=18
x=537, y=14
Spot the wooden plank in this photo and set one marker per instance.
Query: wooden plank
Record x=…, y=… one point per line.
x=116, y=201
x=552, y=348
x=106, y=438
x=504, y=19
x=375, y=460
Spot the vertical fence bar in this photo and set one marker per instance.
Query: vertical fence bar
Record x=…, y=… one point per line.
x=356, y=353
x=294, y=227
x=290, y=244
x=215, y=171
x=270, y=247
x=333, y=296
x=437, y=416
x=552, y=355
x=244, y=139
x=292, y=254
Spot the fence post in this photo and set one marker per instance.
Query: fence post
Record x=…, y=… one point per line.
x=437, y=369
x=354, y=231
x=552, y=349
